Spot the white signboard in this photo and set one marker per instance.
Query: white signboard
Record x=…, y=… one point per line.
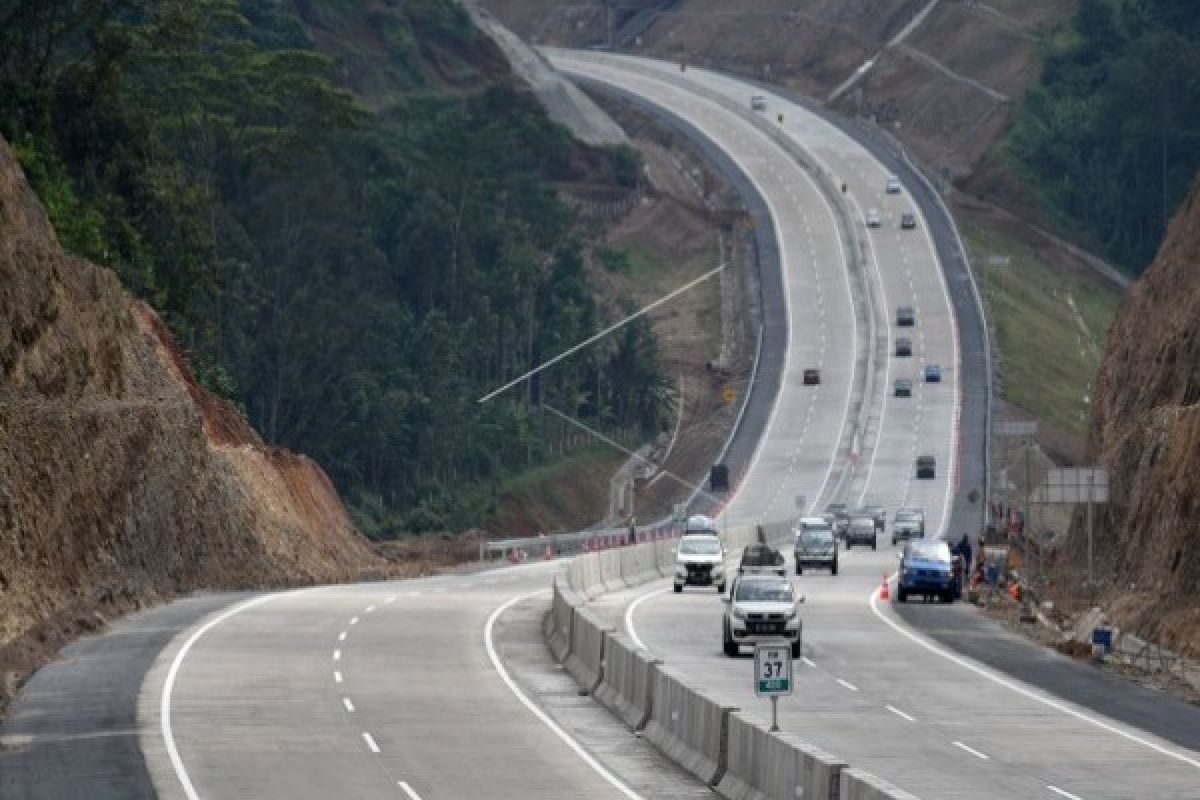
x=772, y=669
x=1076, y=485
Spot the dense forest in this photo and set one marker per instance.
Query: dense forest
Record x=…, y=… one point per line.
x=345, y=212
x=1111, y=136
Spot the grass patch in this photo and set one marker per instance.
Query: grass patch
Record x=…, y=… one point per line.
x=1047, y=363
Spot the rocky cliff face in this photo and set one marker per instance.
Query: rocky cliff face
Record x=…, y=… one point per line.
x=1146, y=430
x=122, y=483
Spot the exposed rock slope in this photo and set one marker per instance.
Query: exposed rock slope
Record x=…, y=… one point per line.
x=122, y=482
x=1146, y=430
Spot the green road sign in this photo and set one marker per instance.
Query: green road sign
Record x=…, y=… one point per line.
x=772, y=669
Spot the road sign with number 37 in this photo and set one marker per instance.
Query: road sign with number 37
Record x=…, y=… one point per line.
x=772, y=669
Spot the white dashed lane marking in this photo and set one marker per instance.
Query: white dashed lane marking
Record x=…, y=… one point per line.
x=370, y=740
x=337, y=676
x=848, y=685
x=349, y=706
x=900, y=713
x=971, y=750
x=337, y=655
x=342, y=636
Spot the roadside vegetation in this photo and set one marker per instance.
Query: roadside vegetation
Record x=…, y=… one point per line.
x=1051, y=327
x=346, y=214
x=1110, y=138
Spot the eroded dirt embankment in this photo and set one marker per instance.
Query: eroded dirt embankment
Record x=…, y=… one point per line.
x=1146, y=430
x=122, y=483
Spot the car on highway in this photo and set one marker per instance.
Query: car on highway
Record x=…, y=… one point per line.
x=758, y=102
x=815, y=545
x=927, y=569
x=903, y=346
x=926, y=468
x=874, y=220
x=893, y=185
x=841, y=517
x=761, y=558
x=908, y=220
x=862, y=531
x=700, y=561
x=812, y=377
x=878, y=513
x=907, y=524
x=906, y=317
x=761, y=608
x=916, y=511
x=933, y=373
x=903, y=387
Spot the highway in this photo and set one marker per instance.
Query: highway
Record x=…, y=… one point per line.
x=442, y=687
x=871, y=690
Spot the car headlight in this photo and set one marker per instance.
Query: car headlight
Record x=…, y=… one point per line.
x=792, y=615
x=739, y=614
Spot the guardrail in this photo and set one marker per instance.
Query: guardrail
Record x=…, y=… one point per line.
x=737, y=757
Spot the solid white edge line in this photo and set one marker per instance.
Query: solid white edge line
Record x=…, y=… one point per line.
x=900, y=713
x=408, y=790
x=972, y=751
x=1063, y=792
x=629, y=612
x=181, y=772
x=1022, y=690
x=566, y=738
x=370, y=740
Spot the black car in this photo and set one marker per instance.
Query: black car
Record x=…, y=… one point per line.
x=933, y=373
x=812, y=377
x=908, y=220
x=926, y=467
x=903, y=387
x=906, y=317
x=761, y=558
x=903, y=346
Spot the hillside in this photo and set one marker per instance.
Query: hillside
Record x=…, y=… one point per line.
x=1146, y=430
x=122, y=483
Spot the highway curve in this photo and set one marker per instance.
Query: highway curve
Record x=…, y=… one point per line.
x=871, y=690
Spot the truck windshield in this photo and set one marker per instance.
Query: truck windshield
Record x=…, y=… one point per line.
x=816, y=536
x=700, y=545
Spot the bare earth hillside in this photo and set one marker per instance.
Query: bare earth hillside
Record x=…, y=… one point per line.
x=1146, y=430
x=122, y=483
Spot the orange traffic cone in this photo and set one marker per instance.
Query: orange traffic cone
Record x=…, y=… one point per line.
x=884, y=592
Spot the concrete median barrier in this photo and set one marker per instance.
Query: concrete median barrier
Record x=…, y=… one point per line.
x=664, y=556
x=859, y=785
x=775, y=766
x=626, y=689
x=585, y=661
x=610, y=570
x=638, y=565
x=561, y=616
x=688, y=725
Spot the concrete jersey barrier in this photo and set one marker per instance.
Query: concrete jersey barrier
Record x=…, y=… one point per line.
x=559, y=620
x=859, y=785
x=771, y=766
x=585, y=661
x=638, y=564
x=688, y=726
x=626, y=689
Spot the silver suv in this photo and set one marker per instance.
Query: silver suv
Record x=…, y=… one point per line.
x=700, y=561
x=815, y=545
x=761, y=607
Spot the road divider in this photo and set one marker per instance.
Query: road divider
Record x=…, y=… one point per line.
x=585, y=662
x=628, y=682
x=716, y=742
x=761, y=765
x=688, y=725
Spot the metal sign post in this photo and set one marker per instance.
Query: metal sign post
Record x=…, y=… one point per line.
x=1078, y=485
x=773, y=674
